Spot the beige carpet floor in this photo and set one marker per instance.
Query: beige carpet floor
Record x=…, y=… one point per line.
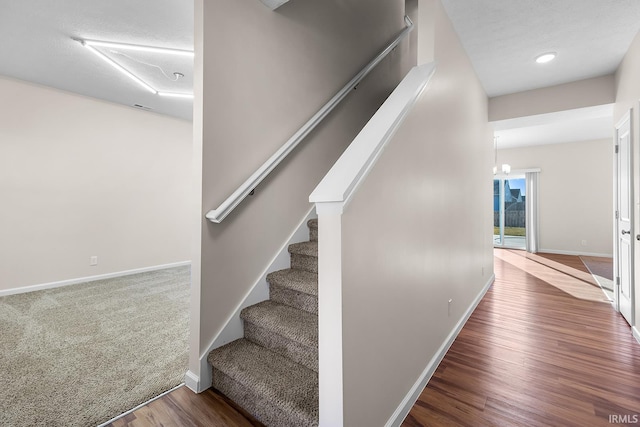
x=82, y=354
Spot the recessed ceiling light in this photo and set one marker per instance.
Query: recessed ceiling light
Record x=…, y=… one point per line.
x=546, y=57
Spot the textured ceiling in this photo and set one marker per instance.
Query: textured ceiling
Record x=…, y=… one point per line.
x=37, y=45
x=503, y=38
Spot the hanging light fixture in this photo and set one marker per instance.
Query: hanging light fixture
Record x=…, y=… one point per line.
x=506, y=168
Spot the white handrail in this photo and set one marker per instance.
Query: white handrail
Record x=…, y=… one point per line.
x=217, y=215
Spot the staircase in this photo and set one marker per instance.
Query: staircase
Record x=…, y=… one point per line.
x=273, y=371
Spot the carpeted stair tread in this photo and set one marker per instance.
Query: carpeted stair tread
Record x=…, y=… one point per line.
x=304, y=248
x=272, y=371
x=291, y=323
x=280, y=381
x=296, y=280
x=312, y=224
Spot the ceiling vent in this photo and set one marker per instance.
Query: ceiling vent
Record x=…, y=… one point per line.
x=142, y=107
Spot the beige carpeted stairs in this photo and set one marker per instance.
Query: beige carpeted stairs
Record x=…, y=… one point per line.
x=273, y=371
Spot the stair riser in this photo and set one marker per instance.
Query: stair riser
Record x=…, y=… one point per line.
x=299, y=300
x=266, y=412
x=295, y=351
x=304, y=262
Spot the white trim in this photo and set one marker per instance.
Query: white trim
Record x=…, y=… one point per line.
x=636, y=334
x=616, y=301
x=61, y=283
x=354, y=164
x=330, y=353
x=192, y=381
x=124, y=414
x=233, y=328
x=407, y=403
x=561, y=252
x=329, y=208
x=627, y=117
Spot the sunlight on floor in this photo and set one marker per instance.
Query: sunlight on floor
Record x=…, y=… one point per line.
x=576, y=283
x=602, y=271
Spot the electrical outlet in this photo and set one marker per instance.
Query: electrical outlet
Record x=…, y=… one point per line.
x=583, y=243
x=93, y=260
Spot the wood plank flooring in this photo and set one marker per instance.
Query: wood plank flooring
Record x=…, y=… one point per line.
x=184, y=408
x=543, y=348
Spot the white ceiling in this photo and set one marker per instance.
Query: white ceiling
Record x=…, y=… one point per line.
x=502, y=38
x=37, y=45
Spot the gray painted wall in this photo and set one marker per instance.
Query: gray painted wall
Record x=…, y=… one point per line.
x=260, y=83
x=80, y=177
x=417, y=234
x=575, y=194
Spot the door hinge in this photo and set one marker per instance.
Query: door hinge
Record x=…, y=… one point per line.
x=617, y=215
x=617, y=147
x=617, y=281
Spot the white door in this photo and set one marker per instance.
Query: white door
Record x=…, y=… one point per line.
x=624, y=212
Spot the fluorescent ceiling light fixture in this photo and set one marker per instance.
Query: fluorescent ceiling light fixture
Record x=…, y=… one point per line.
x=175, y=95
x=120, y=68
x=546, y=57
x=139, y=48
x=89, y=44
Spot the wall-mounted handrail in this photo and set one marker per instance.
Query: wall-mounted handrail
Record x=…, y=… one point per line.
x=217, y=215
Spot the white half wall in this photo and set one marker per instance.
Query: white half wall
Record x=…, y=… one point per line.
x=575, y=194
x=81, y=177
x=411, y=254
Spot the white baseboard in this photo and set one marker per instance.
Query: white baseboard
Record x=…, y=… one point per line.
x=192, y=381
x=559, y=252
x=61, y=283
x=636, y=334
x=410, y=399
x=233, y=328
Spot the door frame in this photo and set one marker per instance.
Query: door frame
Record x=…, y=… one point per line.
x=514, y=174
x=628, y=116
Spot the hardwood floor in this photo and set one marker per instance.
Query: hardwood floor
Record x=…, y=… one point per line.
x=543, y=348
x=184, y=408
